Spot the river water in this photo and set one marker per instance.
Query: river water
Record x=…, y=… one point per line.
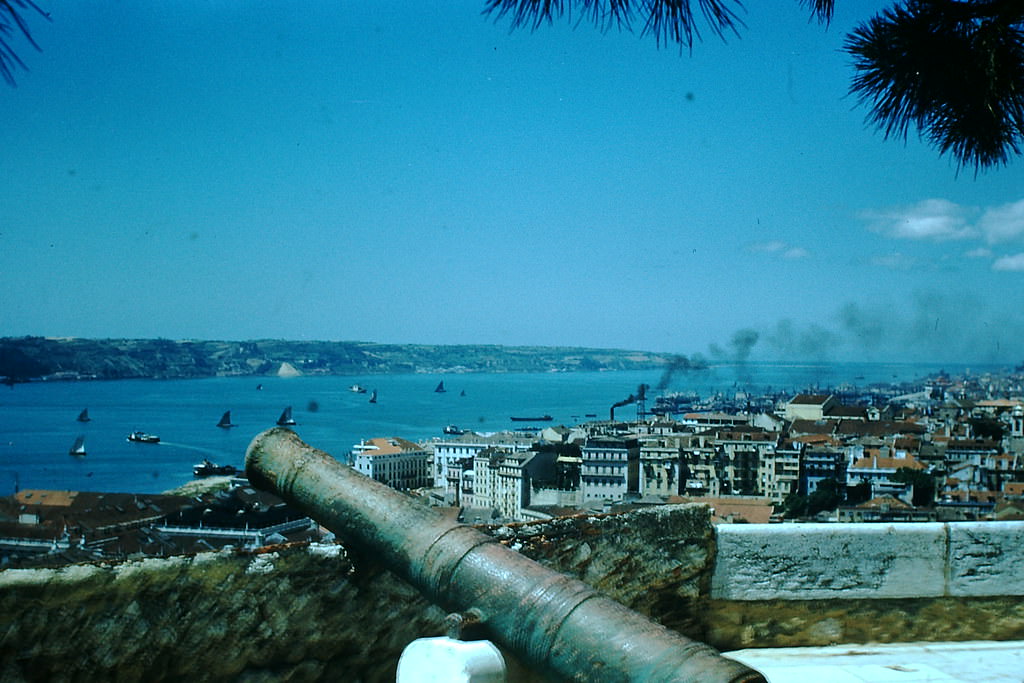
x=38, y=420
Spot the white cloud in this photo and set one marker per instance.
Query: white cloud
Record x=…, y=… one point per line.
x=782, y=249
x=772, y=247
x=1003, y=223
x=937, y=220
x=1011, y=263
x=980, y=252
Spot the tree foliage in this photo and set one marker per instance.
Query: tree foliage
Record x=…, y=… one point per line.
x=923, y=483
x=13, y=24
x=987, y=428
x=827, y=496
x=952, y=69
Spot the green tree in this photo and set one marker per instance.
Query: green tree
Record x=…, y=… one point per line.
x=986, y=428
x=826, y=496
x=923, y=483
x=953, y=69
x=860, y=493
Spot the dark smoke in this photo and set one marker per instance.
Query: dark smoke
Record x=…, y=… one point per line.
x=640, y=395
x=738, y=352
x=812, y=342
x=680, y=364
x=921, y=326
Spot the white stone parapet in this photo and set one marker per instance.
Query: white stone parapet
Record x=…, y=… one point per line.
x=857, y=561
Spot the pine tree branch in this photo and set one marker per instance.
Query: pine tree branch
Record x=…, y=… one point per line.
x=13, y=23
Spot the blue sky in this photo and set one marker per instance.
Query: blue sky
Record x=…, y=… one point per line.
x=415, y=172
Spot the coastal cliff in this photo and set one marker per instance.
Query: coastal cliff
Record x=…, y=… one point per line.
x=30, y=358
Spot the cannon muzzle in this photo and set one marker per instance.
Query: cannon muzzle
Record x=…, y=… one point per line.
x=555, y=623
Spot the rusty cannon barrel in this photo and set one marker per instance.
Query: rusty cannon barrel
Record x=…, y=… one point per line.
x=555, y=623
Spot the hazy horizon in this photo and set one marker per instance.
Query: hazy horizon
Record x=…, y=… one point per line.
x=722, y=359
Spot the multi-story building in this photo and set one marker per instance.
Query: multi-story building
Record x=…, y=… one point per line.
x=610, y=468
x=780, y=471
x=503, y=479
x=821, y=462
x=468, y=445
x=486, y=464
x=393, y=461
x=809, y=407
x=659, y=466
x=698, y=474
x=739, y=454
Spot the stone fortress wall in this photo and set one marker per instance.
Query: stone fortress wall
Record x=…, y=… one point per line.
x=310, y=613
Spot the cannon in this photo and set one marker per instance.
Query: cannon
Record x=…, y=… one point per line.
x=556, y=624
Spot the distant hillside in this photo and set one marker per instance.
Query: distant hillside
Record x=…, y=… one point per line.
x=28, y=358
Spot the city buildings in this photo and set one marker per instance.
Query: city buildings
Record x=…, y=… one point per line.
x=937, y=451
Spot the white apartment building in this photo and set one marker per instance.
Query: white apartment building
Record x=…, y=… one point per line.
x=779, y=473
x=659, y=466
x=400, y=464
x=610, y=468
x=468, y=445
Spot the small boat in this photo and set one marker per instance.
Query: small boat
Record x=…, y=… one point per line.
x=225, y=420
x=79, y=447
x=286, y=418
x=542, y=418
x=357, y=389
x=210, y=469
x=259, y=387
x=84, y=415
x=440, y=388
x=373, y=396
x=143, y=437
x=462, y=393
x=454, y=431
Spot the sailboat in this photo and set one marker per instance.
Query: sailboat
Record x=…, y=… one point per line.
x=373, y=396
x=225, y=420
x=84, y=415
x=440, y=388
x=286, y=418
x=79, y=447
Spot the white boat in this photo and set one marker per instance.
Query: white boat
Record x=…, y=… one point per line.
x=79, y=447
x=357, y=389
x=143, y=437
x=286, y=419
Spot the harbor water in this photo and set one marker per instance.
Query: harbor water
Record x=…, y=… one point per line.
x=38, y=422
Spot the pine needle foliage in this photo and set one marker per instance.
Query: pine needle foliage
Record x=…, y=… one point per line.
x=952, y=70
x=12, y=25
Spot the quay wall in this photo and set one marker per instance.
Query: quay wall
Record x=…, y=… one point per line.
x=321, y=613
